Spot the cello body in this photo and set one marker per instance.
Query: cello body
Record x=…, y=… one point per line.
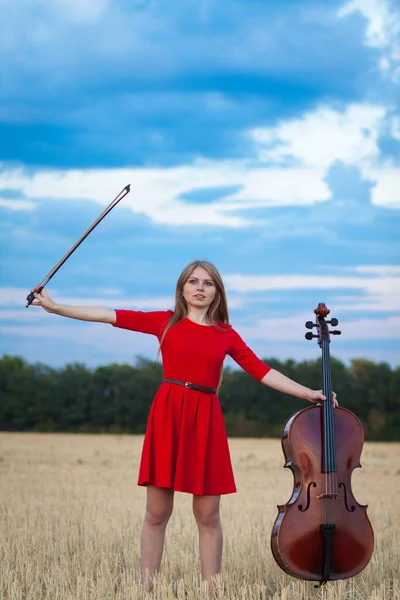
x=297, y=541
x=322, y=533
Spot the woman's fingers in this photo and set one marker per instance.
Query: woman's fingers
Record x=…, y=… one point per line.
x=40, y=297
x=317, y=396
x=37, y=303
x=334, y=398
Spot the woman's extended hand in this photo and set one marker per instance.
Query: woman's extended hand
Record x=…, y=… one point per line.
x=317, y=396
x=43, y=299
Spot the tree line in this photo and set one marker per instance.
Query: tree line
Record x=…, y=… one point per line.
x=116, y=398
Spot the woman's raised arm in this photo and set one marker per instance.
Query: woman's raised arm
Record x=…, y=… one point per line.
x=98, y=314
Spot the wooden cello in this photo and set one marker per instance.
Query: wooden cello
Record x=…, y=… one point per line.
x=322, y=533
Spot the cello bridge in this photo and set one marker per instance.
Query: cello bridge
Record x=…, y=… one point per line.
x=334, y=496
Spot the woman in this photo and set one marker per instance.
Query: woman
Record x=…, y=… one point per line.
x=185, y=447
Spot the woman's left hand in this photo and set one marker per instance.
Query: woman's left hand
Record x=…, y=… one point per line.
x=316, y=396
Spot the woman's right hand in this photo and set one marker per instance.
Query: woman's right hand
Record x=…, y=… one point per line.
x=44, y=300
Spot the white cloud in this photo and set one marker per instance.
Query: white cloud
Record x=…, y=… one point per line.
x=9, y=316
x=324, y=136
x=384, y=64
x=154, y=192
x=387, y=188
x=271, y=186
x=292, y=329
x=376, y=269
x=17, y=204
x=383, y=29
x=112, y=342
x=74, y=11
x=311, y=144
x=302, y=350
x=383, y=24
x=77, y=10
x=12, y=296
x=109, y=292
x=380, y=292
x=396, y=128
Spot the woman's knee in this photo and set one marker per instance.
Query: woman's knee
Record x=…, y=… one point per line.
x=207, y=513
x=157, y=517
x=159, y=507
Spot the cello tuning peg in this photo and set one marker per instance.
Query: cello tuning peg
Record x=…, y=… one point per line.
x=333, y=322
x=310, y=325
x=310, y=336
x=335, y=332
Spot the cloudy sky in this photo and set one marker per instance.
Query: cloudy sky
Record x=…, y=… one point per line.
x=261, y=135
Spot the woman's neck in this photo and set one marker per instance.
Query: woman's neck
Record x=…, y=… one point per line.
x=198, y=316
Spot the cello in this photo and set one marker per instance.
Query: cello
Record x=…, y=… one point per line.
x=322, y=533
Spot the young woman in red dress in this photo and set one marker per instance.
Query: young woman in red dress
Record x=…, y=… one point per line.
x=185, y=447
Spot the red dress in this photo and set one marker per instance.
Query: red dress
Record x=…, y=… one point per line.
x=185, y=446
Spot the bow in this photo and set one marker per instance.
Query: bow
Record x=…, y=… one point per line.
x=30, y=298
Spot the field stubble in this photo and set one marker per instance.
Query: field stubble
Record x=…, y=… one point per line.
x=71, y=513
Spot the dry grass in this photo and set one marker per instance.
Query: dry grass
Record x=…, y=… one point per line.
x=71, y=515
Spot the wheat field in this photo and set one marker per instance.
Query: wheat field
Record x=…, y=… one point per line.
x=71, y=512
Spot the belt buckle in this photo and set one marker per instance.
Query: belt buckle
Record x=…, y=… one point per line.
x=188, y=384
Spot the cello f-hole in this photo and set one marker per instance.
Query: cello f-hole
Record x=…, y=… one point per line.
x=352, y=508
x=300, y=507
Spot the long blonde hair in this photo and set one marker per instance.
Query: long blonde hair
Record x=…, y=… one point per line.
x=218, y=309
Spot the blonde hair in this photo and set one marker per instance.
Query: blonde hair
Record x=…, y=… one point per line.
x=218, y=309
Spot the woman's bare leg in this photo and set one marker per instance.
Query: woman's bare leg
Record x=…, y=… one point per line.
x=159, y=507
x=206, y=512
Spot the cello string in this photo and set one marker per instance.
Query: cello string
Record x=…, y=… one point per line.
x=327, y=449
x=326, y=436
x=331, y=428
x=329, y=458
x=328, y=416
x=328, y=409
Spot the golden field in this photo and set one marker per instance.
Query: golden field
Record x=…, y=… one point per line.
x=71, y=512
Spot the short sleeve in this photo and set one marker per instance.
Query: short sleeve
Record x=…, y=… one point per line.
x=246, y=358
x=143, y=322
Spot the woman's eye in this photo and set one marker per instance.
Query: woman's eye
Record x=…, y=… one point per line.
x=195, y=281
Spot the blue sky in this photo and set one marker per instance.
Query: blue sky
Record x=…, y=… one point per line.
x=263, y=136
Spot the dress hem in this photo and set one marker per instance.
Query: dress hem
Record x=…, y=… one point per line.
x=187, y=491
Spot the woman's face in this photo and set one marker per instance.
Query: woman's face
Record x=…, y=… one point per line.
x=199, y=290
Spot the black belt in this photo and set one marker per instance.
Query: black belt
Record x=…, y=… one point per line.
x=192, y=386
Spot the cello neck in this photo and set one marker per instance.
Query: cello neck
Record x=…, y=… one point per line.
x=328, y=424
x=329, y=446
